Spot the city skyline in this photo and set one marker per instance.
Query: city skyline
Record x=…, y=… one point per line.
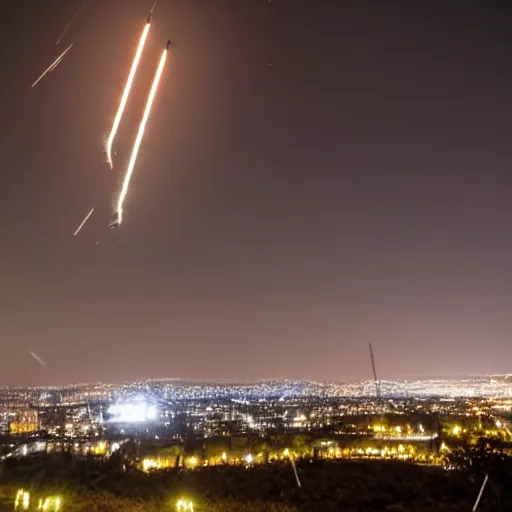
x=313, y=178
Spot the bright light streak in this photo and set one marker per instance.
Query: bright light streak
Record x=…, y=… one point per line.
x=84, y=221
x=126, y=92
x=53, y=65
x=140, y=134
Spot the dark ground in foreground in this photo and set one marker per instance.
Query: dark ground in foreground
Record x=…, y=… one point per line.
x=327, y=486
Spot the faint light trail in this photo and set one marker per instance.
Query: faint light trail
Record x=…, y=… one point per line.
x=37, y=358
x=66, y=28
x=140, y=134
x=53, y=65
x=84, y=221
x=126, y=92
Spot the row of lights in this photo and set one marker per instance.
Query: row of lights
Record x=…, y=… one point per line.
x=53, y=503
x=48, y=504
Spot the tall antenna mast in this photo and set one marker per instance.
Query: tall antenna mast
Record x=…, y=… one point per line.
x=377, y=383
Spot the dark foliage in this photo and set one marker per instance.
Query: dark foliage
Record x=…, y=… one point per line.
x=344, y=485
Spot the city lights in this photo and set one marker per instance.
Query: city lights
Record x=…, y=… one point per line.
x=50, y=504
x=184, y=505
x=22, y=500
x=192, y=462
x=149, y=422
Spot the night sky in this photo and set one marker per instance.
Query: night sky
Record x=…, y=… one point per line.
x=315, y=175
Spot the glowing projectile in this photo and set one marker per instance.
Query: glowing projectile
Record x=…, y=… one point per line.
x=53, y=65
x=84, y=221
x=66, y=28
x=140, y=134
x=37, y=358
x=126, y=92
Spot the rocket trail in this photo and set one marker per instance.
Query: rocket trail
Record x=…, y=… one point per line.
x=84, y=221
x=140, y=134
x=126, y=92
x=53, y=65
x=66, y=28
x=37, y=358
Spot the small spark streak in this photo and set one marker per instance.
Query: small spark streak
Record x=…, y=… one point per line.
x=299, y=483
x=126, y=92
x=37, y=358
x=70, y=22
x=479, y=497
x=53, y=65
x=138, y=140
x=84, y=221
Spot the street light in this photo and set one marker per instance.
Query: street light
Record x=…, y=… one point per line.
x=183, y=505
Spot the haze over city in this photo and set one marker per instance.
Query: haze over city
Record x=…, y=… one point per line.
x=255, y=256
x=314, y=176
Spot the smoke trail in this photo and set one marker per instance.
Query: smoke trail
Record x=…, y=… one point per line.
x=70, y=21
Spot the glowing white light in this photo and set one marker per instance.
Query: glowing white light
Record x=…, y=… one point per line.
x=151, y=412
x=132, y=412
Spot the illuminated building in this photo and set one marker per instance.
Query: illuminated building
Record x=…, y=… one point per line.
x=24, y=422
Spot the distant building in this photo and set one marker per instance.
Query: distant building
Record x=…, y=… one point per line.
x=24, y=422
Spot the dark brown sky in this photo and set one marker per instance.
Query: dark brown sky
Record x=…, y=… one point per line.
x=315, y=175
